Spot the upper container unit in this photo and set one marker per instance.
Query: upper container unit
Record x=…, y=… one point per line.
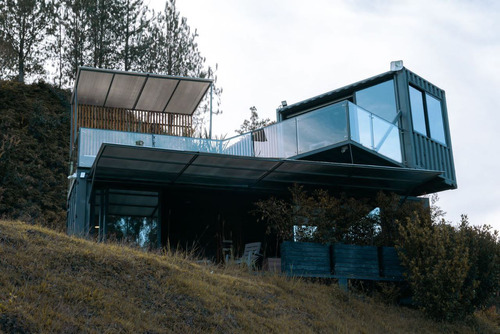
x=394, y=119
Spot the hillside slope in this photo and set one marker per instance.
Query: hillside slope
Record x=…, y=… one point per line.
x=34, y=146
x=50, y=282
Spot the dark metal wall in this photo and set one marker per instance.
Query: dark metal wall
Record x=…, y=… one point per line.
x=422, y=152
x=78, y=205
x=418, y=151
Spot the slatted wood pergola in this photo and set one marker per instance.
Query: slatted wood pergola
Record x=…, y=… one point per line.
x=134, y=102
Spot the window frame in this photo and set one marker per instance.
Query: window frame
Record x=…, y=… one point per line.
x=426, y=115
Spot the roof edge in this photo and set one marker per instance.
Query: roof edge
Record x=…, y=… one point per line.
x=131, y=73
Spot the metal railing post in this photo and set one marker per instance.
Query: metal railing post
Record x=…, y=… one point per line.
x=211, y=96
x=348, y=118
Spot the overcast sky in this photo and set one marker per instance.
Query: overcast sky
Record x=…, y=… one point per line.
x=269, y=51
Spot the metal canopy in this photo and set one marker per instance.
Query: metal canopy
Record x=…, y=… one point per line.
x=132, y=203
x=141, y=91
x=160, y=167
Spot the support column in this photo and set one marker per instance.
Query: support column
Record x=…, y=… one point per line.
x=103, y=210
x=163, y=217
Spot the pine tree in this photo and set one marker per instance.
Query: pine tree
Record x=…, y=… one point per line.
x=75, y=48
x=172, y=49
x=22, y=33
x=132, y=25
x=104, y=17
x=254, y=123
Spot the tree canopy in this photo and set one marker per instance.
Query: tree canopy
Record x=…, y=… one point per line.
x=254, y=122
x=50, y=39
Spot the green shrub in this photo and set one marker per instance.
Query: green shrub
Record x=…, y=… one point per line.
x=321, y=217
x=484, y=258
x=451, y=271
x=318, y=217
x=394, y=212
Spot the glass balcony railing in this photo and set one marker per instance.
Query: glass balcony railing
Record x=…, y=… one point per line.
x=374, y=132
x=315, y=130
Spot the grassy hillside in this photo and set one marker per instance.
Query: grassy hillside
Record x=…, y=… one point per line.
x=50, y=282
x=34, y=146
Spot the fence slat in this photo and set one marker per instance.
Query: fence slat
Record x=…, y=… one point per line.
x=120, y=119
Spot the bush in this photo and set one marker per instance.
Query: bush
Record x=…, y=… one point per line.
x=34, y=145
x=451, y=271
x=484, y=258
x=321, y=217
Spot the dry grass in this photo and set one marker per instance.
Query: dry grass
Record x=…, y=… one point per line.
x=50, y=282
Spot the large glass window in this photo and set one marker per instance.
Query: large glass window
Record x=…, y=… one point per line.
x=379, y=100
x=427, y=115
x=142, y=231
x=417, y=111
x=436, y=125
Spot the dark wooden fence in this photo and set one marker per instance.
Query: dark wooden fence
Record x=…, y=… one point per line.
x=306, y=259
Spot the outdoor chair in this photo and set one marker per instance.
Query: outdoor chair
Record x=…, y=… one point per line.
x=251, y=255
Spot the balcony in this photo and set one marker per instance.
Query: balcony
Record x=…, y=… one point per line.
x=318, y=130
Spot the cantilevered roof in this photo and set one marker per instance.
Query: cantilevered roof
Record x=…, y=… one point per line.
x=141, y=91
x=157, y=167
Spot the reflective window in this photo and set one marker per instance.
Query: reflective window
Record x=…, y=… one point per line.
x=323, y=127
x=417, y=110
x=142, y=231
x=379, y=100
x=427, y=115
x=434, y=112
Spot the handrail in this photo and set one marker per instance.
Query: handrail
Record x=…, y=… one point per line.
x=305, y=133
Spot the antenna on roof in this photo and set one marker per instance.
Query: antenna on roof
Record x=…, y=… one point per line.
x=396, y=65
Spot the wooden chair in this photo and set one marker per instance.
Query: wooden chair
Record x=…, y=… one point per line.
x=250, y=255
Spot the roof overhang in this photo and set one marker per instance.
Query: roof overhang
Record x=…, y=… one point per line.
x=138, y=91
x=159, y=167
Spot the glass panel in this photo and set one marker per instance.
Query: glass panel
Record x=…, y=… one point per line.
x=276, y=141
x=379, y=100
x=435, y=115
x=381, y=130
x=92, y=139
x=202, y=145
x=142, y=231
x=240, y=145
x=187, y=144
x=322, y=127
x=170, y=142
x=391, y=146
x=361, y=127
x=374, y=133
x=417, y=111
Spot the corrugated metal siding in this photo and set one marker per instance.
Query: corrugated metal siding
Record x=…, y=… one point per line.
x=424, y=84
x=428, y=153
x=434, y=156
